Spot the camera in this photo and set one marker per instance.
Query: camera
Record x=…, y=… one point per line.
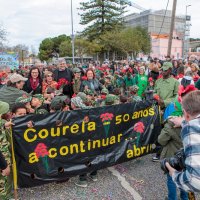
x=177, y=162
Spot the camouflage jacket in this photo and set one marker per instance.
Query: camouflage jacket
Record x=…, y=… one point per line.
x=4, y=143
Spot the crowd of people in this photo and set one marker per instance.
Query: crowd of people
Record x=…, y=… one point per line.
x=41, y=89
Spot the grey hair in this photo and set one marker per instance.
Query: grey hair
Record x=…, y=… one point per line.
x=61, y=61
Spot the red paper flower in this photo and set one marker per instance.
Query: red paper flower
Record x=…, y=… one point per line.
x=156, y=97
x=139, y=127
x=74, y=95
x=41, y=150
x=62, y=82
x=180, y=76
x=150, y=79
x=103, y=96
x=84, y=78
x=160, y=76
x=130, y=70
x=196, y=78
x=106, y=117
x=182, y=90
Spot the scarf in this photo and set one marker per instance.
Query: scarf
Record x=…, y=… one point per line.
x=34, y=84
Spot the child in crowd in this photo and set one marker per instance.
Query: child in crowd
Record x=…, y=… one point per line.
x=37, y=102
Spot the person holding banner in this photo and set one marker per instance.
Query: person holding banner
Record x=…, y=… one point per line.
x=5, y=179
x=4, y=167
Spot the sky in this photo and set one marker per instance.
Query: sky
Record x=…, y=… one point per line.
x=30, y=21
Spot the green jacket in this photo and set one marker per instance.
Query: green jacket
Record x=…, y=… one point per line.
x=4, y=143
x=170, y=139
x=10, y=94
x=197, y=84
x=167, y=89
x=129, y=81
x=142, y=82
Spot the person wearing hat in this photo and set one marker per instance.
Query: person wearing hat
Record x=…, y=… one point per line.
x=60, y=103
x=13, y=90
x=110, y=100
x=27, y=102
x=83, y=96
x=166, y=88
x=134, y=97
x=104, y=91
x=76, y=80
x=108, y=84
x=5, y=181
x=37, y=102
x=77, y=103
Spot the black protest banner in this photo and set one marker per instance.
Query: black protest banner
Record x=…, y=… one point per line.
x=65, y=144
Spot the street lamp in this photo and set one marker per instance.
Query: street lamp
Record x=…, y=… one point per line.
x=185, y=49
x=72, y=33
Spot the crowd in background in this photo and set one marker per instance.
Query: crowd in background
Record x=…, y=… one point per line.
x=41, y=89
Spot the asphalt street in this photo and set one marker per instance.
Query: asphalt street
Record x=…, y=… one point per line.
x=139, y=179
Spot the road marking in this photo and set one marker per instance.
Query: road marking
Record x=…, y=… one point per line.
x=125, y=184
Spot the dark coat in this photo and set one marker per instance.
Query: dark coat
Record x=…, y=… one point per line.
x=67, y=74
x=28, y=88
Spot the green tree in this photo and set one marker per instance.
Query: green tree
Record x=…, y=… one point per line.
x=65, y=49
x=83, y=46
x=46, y=49
x=51, y=46
x=128, y=41
x=101, y=16
x=134, y=41
x=58, y=40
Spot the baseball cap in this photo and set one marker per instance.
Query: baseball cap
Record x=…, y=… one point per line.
x=4, y=107
x=166, y=66
x=76, y=70
x=23, y=99
x=14, y=78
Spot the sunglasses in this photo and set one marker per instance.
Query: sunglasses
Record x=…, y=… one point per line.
x=49, y=75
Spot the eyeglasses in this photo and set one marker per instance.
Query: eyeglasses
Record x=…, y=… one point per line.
x=49, y=75
x=34, y=73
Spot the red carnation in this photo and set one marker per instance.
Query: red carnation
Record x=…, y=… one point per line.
x=103, y=96
x=156, y=97
x=74, y=95
x=196, y=78
x=139, y=127
x=150, y=79
x=84, y=78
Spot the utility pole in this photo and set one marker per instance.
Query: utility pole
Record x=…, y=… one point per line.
x=171, y=28
x=72, y=23
x=187, y=33
x=23, y=57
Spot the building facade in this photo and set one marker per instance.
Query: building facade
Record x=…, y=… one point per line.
x=158, y=25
